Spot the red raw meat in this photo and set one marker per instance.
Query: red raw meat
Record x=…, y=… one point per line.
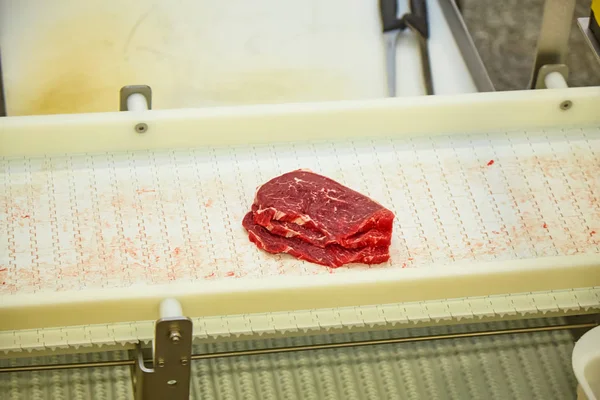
x=320, y=211
x=333, y=255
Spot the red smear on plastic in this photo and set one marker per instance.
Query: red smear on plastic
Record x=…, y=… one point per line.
x=490, y=163
x=496, y=232
x=404, y=265
x=176, y=251
x=410, y=258
x=592, y=233
x=230, y=273
x=208, y=203
x=545, y=226
x=3, y=269
x=25, y=216
x=210, y=276
x=140, y=191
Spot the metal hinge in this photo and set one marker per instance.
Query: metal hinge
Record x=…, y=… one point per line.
x=169, y=375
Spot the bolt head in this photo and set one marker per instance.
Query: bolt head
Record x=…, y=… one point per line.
x=175, y=336
x=565, y=105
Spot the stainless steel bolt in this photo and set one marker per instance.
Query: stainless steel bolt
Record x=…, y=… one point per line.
x=565, y=105
x=141, y=127
x=175, y=336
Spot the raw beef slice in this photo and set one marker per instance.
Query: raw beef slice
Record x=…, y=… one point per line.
x=332, y=255
x=320, y=211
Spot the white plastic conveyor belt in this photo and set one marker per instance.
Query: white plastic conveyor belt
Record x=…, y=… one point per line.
x=104, y=230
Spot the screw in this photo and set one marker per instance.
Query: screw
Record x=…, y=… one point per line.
x=565, y=105
x=161, y=362
x=184, y=361
x=141, y=127
x=172, y=382
x=175, y=337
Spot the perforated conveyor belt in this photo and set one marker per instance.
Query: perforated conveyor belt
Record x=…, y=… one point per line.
x=114, y=220
x=523, y=366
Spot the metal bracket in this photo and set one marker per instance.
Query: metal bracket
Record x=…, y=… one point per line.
x=592, y=41
x=169, y=378
x=547, y=69
x=553, y=41
x=128, y=90
x=466, y=46
x=2, y=98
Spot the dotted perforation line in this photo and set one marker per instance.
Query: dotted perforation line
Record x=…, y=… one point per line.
x=112, y=173
x=12, y=246
x=470, y=196
x=436, y=217
x=492, y=199
x=455, y=212
x=316, y=155
x=144, y=245
x=389, y=194
x=200, y=195
x=54, y=221
x=591, y=188
x=566, y=180
x=33, y=243
x=593, y=151
x=81, y=254
x=188, y=247
x=514, y=200
x=226, y=220
x=357, y=164
x=240, y=185
x=336, y=155
x=275, y=157
x=6, y=225
x=162, y=220
x=411, y=202
x=95, y=200
x=552, y=194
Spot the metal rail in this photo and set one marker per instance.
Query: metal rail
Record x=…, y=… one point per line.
x=324, y=346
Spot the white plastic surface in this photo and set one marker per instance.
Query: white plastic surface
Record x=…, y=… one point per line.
x=586, y=363
x=68, y=56
x=100, y=230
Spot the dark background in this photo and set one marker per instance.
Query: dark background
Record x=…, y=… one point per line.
x=505, y=33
